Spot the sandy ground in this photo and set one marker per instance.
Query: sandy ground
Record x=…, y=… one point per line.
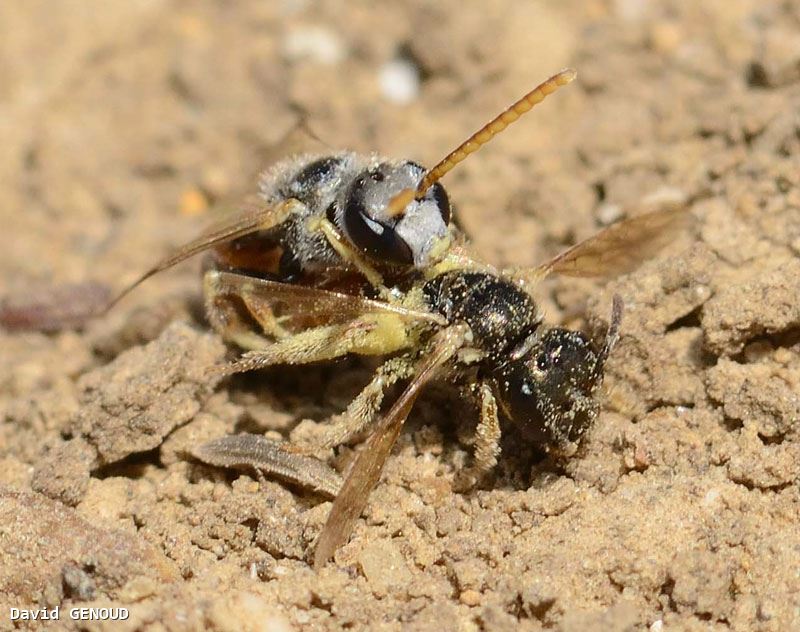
x=124, y=124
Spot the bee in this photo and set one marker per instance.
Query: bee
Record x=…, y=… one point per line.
x=322, y=218
x=336, y=220
x=349, y=254
x=480, y=329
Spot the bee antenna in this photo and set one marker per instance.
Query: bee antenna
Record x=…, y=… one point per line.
x=481, y=137
x=495, y=126
x=119, y=296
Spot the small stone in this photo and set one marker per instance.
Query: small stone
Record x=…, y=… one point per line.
x=608, y=213
x=399, y=81
x=193, y=202
x=137, y=589
x=470, y=597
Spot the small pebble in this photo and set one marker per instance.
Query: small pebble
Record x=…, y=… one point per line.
x=193, y=202
x=399, y=81
x=384, y=567
x=608, y=213
x=470, y=597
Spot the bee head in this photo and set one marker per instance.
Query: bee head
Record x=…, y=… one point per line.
x=550, y=390
x=411, y=235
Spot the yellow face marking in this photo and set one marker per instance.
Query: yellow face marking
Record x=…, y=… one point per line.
x=441, y=246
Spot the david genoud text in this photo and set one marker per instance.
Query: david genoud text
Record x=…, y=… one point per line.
x=76, y=614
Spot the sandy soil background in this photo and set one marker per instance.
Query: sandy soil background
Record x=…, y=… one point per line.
x=123, y=124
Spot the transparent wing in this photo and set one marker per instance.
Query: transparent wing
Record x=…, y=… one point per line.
x=256, y=451
x=298, y=307
x=236, y=225
x=54, y=308
x=618, y=249
x=370, y=460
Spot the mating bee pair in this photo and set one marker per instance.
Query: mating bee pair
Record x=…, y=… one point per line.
x=354, y=254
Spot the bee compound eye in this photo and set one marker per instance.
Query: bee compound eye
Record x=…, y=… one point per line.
x=378, y=239
x=439, y=195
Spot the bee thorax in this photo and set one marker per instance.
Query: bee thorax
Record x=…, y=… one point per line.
x=499, y=314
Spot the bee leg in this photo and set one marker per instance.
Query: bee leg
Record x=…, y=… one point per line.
x=487, y=441
x=313, y=345
x=225, y=316
x=360, y=413
x=262, y=480
x=224, y=300
x=351, y=255
x=271, y=457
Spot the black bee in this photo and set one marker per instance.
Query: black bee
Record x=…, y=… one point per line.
x=468, y=326
x=479, y=327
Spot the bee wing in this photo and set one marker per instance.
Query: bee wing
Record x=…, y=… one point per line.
x=236, y=225
x=250, y=450
x=369, y=463
x=298, y=307
x=617, y=249
x=53, y=309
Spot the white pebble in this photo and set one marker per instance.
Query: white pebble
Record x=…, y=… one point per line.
x=608, y=213
x=399, y=81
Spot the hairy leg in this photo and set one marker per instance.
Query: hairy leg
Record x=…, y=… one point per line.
x=312, y=345
x=487, y=441
x=362, y=410
x=351, y=255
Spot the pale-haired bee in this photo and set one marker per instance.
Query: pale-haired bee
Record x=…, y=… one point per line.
x=352, y=193
x=323, y=217
x=303, y=277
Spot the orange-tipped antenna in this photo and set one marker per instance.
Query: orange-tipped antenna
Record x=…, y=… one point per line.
x=399, y=202
x=494, y=127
